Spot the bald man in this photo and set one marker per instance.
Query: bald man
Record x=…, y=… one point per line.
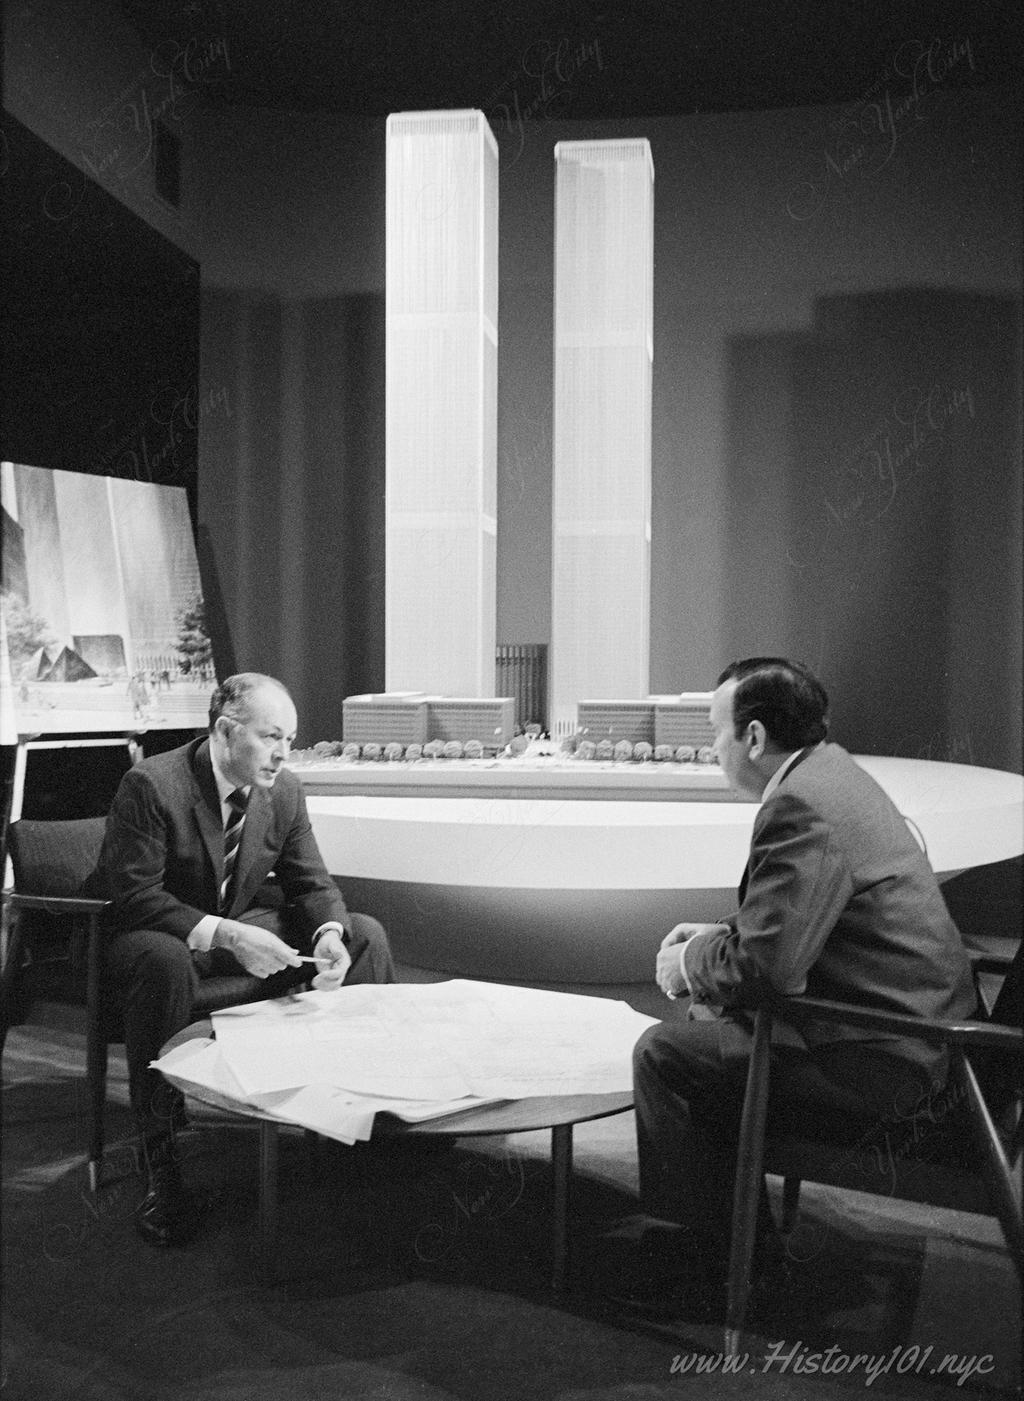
x=191, y=839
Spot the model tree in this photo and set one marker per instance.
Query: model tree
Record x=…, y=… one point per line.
x=194, y=646
x=27, y=632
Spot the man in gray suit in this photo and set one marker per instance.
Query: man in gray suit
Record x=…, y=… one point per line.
x=191, y=839
x=838, y=900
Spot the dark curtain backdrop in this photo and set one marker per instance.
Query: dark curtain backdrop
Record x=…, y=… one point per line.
x=872, y=467
x=836, y=420
x=293, y=395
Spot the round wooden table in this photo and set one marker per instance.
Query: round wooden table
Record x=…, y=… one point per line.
x=559, y=1113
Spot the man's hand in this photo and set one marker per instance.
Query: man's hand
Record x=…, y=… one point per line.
x=669, y=971
x=257, y=950
x=669, y=968
x=682, y=932
x=333, y=961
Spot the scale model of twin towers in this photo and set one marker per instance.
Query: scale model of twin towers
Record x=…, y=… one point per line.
x=441, y=413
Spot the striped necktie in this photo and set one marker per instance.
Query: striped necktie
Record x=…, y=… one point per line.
x=232, y=836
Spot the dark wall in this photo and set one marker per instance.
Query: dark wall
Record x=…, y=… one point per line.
x=872, y=465
x=803, y=310
x=797, y=311
x=294, y=422
x=100, y=340
x=100, y=328
x=776, y=232
x=100, y=372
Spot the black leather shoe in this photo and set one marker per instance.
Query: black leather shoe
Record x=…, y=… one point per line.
x=166, y=1215
x=688, y=1286
x=693, y=1300
x=652, y=1269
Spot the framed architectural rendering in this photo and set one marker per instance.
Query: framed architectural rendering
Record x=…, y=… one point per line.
x=103, y=619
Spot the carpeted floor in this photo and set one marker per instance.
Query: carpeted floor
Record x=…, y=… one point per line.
x=423, y=1274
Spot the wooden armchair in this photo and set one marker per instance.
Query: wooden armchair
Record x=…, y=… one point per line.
x=54, y=875
x=963, y=1150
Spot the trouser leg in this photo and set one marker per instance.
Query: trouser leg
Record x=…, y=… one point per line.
x=689, y=1100
x=371, y=952
x=155, y=982
x=155, y=979
x=685, y=1107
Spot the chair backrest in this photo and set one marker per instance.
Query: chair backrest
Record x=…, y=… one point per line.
x=56, y=858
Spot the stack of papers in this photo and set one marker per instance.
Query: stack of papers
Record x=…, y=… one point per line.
x=330, y=1061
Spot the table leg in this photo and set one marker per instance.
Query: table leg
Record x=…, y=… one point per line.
x=266, y=1228
x=561, y=1170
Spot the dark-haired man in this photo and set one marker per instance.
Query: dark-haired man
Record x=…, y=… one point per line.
x=191, y=839
x=838, y=901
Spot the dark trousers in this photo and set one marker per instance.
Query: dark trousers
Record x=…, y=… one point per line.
x=689, y=1079
x=154, y=979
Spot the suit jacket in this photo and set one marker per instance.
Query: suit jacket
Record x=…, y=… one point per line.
x=163, y=850
x=837, y=901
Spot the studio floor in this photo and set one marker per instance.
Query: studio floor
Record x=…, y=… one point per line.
x=423, y=1273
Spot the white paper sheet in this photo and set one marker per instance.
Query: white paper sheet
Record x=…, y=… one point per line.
x=432, y=1041
x=198, y=1068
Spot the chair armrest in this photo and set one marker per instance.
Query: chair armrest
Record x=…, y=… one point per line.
x=961, y=1033
x=56, y=904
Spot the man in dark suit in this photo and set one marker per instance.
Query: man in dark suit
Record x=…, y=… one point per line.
x=191, y=840
x=838, y=900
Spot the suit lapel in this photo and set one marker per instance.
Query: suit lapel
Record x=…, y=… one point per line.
x=206, y=808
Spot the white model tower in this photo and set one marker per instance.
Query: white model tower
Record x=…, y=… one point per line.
x=441, y=403
x=603, y=352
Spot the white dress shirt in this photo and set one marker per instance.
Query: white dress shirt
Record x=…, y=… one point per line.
x=201, y=937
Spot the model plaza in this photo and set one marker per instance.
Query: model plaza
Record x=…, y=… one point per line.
x=667, y=730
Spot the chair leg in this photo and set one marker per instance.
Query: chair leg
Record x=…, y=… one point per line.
x=96, y=1082
x=749, y=1177
x=995, y=1165
x=266, y=1228
x=561, y=1173
x=1015, y=1146
x=790, y=1204
x=10, y=979
x=95, y=1052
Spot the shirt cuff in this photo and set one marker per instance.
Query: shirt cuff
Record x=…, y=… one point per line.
x=325, y=928
x=690, y=945
x=200, y=940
